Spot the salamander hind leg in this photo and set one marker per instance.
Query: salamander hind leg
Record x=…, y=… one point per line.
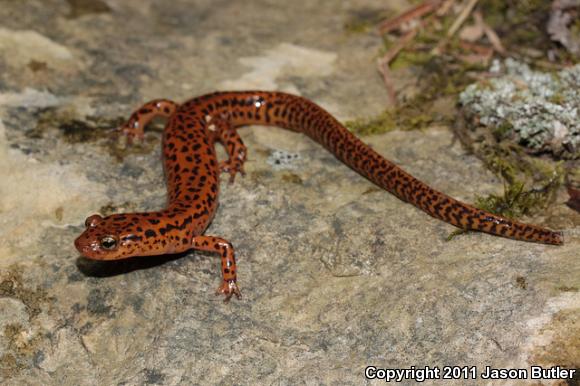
x=232, y=142
x=134, y=127
x=229, y=286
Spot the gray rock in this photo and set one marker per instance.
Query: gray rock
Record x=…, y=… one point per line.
x=540, y=110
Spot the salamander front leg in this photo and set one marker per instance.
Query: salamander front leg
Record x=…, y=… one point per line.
x=133, y=128
x=232, y=142
x=229, y=286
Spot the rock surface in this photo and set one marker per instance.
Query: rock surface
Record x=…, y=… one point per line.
x=336, y=274
x=540, y=110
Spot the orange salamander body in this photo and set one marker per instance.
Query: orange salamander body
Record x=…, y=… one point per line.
x=192, y=172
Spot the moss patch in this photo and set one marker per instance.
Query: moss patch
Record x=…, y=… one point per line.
x=13, y=286
x=100, y=130
x=22, y=347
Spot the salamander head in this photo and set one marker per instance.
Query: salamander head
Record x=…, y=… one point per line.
x=109, y=238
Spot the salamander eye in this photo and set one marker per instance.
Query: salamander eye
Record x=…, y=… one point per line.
x=108, y=242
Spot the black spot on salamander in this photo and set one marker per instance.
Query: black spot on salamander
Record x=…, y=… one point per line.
x=470, y=223
x=131, y=238
x=153, y=221
x=448, y=210
x=150, y=233
x=457, y=218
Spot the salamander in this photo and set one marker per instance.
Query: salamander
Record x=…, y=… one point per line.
x=192, y=171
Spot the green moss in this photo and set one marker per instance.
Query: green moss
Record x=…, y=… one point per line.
x=514, y=202
x=381, y=123
x=575, y=28
x=558, y=99
x=411, y=58
x=513, y=164
x=519, y=24
x=292, y=178
x=530, y=184
x=404, y=118
x=500, y=132
x=455, y=233
x=438, y=78
x=565, y=288
x=522, y=282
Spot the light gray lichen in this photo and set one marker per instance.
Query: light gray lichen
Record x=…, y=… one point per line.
x=281, y=159
x=539, y=110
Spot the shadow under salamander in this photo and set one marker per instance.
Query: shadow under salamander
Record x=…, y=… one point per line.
x=101, y=268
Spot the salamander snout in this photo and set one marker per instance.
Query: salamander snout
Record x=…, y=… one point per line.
x=104, y=239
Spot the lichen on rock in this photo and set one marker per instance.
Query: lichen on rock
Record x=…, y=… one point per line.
x=538, y=110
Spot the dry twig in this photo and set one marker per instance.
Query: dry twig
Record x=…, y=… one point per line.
x=408, y=16
x=490, y=33
x=463, y=15
x=445, y=7
x=383, y=63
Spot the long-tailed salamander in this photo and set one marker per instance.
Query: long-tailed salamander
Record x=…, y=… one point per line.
x=192, y=172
